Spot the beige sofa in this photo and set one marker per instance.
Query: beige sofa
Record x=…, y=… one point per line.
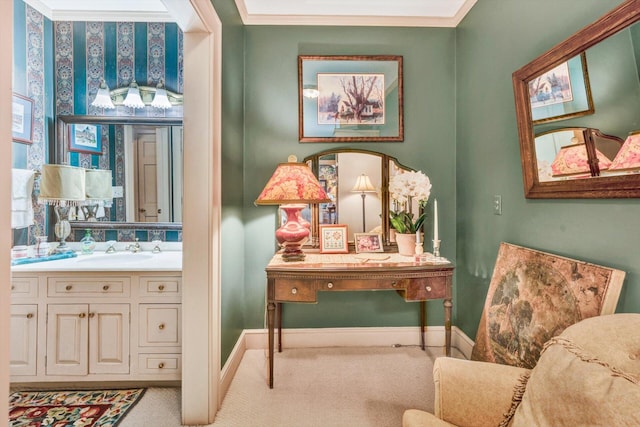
x=587, y=376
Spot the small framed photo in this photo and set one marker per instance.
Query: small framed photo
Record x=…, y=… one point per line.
x=368, y=242
x=333, y=239
x=22, y=119
x=85, y=138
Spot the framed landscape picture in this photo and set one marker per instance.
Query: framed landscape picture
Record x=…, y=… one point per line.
x=333, y=239
x=22, y=119
x=85, y=138
x=350, y=98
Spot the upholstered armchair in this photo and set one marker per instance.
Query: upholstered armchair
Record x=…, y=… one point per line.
x=588, y=375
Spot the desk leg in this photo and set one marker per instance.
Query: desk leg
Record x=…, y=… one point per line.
x=271, y=309
x=279, y=314
x=423, y=306
x=447, y=326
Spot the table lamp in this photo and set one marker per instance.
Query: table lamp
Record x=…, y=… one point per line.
x=98, y=192
x=363, y=186
x=62, y=187
x=292, y=186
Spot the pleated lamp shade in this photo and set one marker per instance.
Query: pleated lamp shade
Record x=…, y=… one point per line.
x=628, y=158
x=98, y=185
x=62, y=185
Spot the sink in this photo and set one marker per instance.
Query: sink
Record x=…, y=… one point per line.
x=118, y=258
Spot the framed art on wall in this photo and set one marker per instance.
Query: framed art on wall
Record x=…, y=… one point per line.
x=333, y=239
x=350, y=98
x=85, y=138
x=368, y=242
x=22, y=119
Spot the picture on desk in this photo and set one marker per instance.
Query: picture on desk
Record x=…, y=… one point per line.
x=368, y=242
x=333, y=239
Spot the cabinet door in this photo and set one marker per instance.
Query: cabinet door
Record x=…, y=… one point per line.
x=160, y=325
x=67, y=339
x=109, y=338
x=22, y=347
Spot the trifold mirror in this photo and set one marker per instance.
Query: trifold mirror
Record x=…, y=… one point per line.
x=580, y=102
x=144, y=155
x=361, y=208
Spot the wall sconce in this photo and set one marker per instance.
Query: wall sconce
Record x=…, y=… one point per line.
x=363, y=186
x=141, y=96
x=292, y=186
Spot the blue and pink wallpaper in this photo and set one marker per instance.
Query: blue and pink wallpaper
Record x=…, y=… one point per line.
x=61, y=64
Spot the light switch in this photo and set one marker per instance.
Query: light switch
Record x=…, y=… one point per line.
x=497, y=204
x=117, y=191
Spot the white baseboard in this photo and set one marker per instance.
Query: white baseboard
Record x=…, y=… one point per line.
x=256, y=339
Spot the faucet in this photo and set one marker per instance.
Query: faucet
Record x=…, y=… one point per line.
x=135, y=247
x=156, y=248
x=111, y=248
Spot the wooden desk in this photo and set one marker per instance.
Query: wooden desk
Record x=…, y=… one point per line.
x=301, y=281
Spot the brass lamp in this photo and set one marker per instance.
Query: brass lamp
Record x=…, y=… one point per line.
x=363, y=186
x=292, y=186
x=62, y=187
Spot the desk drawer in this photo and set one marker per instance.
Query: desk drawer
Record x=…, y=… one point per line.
x=359, y=284
x=425, y=289
x=295, y=290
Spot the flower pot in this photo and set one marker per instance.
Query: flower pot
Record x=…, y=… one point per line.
x=406, y=244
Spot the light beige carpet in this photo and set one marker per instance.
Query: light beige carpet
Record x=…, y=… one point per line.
x=355, y=387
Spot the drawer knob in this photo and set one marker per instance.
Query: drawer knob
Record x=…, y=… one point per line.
x=68, y=287
x=82, y=315
x=161, y=326
x=160, y=365
x=394, y=284
x=330, y=285
x=92, y=315
x=13, y=287
x=105, y=288
x=294, y=291
x=161, y=288
x=30, y=316
x=428, y=288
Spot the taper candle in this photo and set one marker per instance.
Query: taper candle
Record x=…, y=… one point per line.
x=435, y=220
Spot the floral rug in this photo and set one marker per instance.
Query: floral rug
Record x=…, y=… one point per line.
x=91, y=408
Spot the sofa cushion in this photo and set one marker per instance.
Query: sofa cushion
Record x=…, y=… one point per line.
x=588, y=376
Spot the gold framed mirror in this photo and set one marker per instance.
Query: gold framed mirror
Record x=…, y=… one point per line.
x=610, y=46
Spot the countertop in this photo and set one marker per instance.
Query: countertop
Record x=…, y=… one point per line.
x=100, y=261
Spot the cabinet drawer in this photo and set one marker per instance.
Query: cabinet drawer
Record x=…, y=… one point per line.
x=424, y=289
x=160, y=364
x=88, y=287
x=160, y=286
x=24, y=287
x=295, y=290
x=359, y=284
x=160, y=325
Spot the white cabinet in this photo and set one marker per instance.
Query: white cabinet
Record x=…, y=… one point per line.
x=87, y=339
x=23, y=331
x=96, y=326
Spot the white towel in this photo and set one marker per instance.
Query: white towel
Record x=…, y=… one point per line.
x=21, y=203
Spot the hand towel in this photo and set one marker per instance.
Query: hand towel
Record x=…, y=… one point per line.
x=21, y=203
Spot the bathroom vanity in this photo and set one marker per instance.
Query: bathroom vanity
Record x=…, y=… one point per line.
x=97, y=318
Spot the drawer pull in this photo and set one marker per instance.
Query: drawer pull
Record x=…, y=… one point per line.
x=330, y=285
x=105, y=288
x=68, y=287
x=161, y=288
x=428, y=288
x=160, y=365
x=161, y=326
x=294, y=291
x=13, y=287
x=394, y=284
x=82, y=315
x=92, y=315
x=30, y=316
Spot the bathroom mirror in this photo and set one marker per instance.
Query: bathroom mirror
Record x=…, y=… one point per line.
x=144, y=155
x=606, y=73
x=362, y=209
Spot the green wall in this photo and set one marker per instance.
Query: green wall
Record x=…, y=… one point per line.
x=495, y=39
x=271, y=134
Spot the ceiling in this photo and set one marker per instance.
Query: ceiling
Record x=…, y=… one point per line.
x=406, y=13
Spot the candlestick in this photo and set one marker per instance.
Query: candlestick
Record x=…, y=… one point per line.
x=436, y=248
x=435, y=220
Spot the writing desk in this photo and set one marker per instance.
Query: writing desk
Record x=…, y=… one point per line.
x=300, y=281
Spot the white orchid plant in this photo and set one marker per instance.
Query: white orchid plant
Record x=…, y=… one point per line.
x=404, y=189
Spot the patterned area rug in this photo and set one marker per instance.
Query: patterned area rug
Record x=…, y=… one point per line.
x=89, y=408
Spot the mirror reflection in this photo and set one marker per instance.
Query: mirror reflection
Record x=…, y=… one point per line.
x=579, y=102
x=146, y=158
